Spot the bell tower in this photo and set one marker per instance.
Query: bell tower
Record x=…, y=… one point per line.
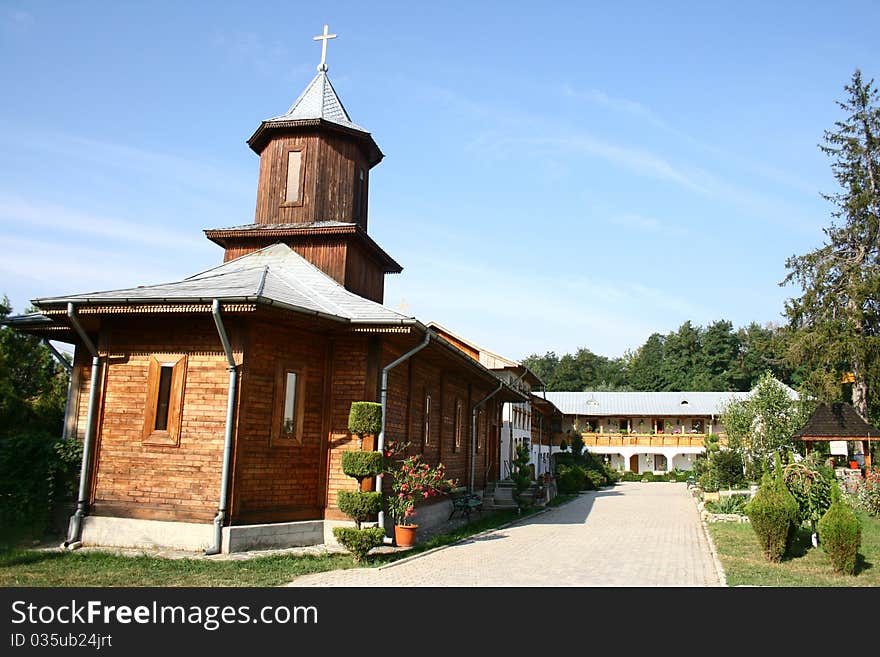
x=313, y=189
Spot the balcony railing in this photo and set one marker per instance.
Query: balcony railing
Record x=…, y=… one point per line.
x=640, y=439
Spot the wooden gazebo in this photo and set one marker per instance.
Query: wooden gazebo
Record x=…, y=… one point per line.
x=838, y=422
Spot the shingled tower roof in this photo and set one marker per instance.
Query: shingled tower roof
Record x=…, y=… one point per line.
x=836, y=422
x=318, y=101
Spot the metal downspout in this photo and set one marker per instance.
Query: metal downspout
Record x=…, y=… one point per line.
x=227, y=439
x=550, y=437
x=474, y=431
x=82, y=503
x=69, y=369
x=384, y=402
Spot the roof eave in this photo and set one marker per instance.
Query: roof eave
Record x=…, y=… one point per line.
x=260, y=138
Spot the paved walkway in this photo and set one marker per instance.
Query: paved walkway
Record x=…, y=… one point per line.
x=634, y=534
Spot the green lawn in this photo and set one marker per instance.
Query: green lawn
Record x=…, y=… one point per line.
x=20, y=567
x=745, y=565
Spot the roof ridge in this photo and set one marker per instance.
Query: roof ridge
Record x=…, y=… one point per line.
x=295, y=285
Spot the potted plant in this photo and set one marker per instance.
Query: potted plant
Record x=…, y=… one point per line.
x=412, y=480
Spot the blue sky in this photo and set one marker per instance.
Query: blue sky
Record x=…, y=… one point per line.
x=557, y=175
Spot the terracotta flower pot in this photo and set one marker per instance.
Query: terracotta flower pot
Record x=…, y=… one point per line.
x=405, y=535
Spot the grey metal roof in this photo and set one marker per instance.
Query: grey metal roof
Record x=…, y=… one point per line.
x=275, y=275
x=644, y=404
x=318, y=101
x=300, y=226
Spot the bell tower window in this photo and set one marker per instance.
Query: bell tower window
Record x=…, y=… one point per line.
x=359, y=185
x=292, y=193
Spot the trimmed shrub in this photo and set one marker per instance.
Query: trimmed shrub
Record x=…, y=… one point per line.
x=712, y=443
x=360, y=506
x=630, y=476
x=774, y=517
x=365, y=418
x=571, y=479
x=840, y=535
x=612, y=475
x=726, y=468
x=359, y=541
x=360, y=465
x=647, y=476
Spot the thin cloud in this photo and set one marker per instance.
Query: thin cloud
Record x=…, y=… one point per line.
x=647, y=224
x=18, y=19
x=62, y=268
x=631, y=107
x=19, y=211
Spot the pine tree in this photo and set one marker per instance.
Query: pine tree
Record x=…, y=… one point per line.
x=837, y=318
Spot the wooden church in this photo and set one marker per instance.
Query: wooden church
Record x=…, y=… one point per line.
x=214, y=409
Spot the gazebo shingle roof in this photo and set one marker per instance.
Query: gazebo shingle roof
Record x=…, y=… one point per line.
x=836, y=422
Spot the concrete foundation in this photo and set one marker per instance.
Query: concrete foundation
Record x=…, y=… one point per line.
x=133, y=533
x=241, y=538
x=108, y=531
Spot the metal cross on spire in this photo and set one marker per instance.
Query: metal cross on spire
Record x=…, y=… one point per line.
x=323, y=38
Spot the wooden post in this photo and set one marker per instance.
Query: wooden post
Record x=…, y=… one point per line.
x=866, y=447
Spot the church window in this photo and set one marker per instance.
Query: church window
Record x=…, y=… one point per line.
x=288, y=416
x=426, y=438
x=164, y=403
x=359, y=187
x=292, y=192
x=459, y=417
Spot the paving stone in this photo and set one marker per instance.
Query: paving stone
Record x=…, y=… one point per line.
x=634, y=534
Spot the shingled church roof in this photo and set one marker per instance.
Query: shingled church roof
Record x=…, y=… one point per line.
x=836, y=422
x=276, y=275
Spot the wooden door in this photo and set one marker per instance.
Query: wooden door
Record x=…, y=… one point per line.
x=634, y=463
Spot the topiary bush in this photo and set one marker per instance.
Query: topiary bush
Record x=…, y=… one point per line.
x=647, y=476
x=360, y=506
x=365, y=418
x=360, y=465
x=840, y=535
x=773, y=513
x=359, y=541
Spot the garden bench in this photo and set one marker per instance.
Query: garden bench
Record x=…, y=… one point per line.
x=464, y=502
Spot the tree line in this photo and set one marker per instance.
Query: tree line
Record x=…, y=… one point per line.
x=712, y=358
